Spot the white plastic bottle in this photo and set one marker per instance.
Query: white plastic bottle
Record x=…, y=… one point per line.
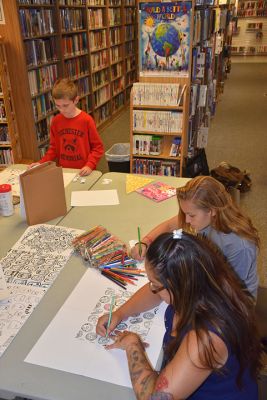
x=6, y=203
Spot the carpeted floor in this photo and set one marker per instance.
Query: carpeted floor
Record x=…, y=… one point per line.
x=238, y=135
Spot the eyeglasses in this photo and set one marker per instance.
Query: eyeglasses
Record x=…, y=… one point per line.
x=154, y=289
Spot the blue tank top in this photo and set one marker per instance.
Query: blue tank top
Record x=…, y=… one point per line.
x=217, y=386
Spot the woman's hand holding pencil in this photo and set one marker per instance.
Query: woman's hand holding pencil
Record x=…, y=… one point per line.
x=102, y=327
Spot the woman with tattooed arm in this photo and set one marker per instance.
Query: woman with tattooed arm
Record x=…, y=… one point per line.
x=211, y=345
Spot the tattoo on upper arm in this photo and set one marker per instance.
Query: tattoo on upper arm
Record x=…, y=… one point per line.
x=161, y=396
x=162, y=382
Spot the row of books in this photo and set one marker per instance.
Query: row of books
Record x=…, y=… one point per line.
x=97, y=39
x=147, y=145
x=4, y=134
x=99, y=60
x=77, y=67
x=161, y=94
x=244, y=5
x=157, y=121
x=43, y=129
x=83, y=86
x=208, y=21
x=129, y=48
x=74, y=44
x=99, y=78
x=118, y=101
x=130, y=16
x=129, y=32
x=2, y=111
x=115, y=36
x=117, y=86
x=249, y=49
x=102, y=95
x=115, y=53
x=130, y=78
x=96, y=2
x=42, y=79
x=42, y=105
x=36, y=22
x=85, y=104
x=96, y=18
x=71, y=19
x=6, y=157
x=40, y=51
x=252, y=13
x=114, y=16
x=116, y=70
x=37, y=2
x=102, y=114
x=72, y=2
x=156, y=167
x=130, y=64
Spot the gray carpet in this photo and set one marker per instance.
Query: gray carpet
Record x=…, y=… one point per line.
x=238, y=135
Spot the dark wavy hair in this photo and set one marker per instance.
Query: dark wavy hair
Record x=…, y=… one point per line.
x=205, y=292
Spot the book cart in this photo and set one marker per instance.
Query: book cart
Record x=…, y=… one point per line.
x=93, y=42
x=159, y=102
x=10, y=151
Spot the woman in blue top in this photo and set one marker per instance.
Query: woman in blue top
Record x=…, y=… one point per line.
x=211, y=346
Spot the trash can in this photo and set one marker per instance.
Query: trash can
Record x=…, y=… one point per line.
x=118, y=157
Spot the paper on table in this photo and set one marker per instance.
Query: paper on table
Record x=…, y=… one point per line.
x=70, y=343
x=4, y=293
x=95, y=198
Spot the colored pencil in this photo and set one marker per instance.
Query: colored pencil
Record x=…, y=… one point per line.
x=139, y=241
x=123, y=286
x=110, y=312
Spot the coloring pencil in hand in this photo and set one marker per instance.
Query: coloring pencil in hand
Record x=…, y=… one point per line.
x=139, y=241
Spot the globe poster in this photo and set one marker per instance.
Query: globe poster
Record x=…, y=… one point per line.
x=164, y=39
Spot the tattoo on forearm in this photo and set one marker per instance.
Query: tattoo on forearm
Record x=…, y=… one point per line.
x=161, y=396
x=143, y=377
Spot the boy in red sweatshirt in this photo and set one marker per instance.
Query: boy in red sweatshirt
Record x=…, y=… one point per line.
x=74, y=140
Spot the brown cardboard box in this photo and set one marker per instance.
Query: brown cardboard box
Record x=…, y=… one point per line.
x=43, y=192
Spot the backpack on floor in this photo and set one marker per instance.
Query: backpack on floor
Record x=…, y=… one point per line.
x=231, y=176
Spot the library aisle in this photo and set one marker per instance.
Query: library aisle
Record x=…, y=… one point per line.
x=237, y=135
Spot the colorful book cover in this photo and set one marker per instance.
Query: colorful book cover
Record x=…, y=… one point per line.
x=157, y=191
x=164, y=38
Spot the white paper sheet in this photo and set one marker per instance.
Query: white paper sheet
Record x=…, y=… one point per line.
x=70, y=344
x=11, y=176
x=95, y=198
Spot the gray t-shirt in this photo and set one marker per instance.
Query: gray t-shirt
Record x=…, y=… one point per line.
x=240, y=253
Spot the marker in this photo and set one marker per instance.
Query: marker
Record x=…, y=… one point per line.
x=110, y=313
x=139, y=241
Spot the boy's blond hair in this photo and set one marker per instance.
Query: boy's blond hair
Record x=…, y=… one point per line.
x=64, y=89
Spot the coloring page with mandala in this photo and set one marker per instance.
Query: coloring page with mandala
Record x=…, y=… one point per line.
x=138, y=323
x=15, y=310
x=70, y=343
x=39, y=255
x=11, y=176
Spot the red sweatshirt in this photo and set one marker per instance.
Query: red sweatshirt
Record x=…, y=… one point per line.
x=74, y=142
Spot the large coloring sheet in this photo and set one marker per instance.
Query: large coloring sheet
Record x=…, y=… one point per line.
x=70, y=343
x=30, y=267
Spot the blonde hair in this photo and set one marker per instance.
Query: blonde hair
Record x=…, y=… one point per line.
x=64, y=89
x=209, y=194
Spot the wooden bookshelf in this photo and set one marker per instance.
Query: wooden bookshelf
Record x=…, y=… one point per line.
x=84, y=40
x=158, y=120
x=10, y=151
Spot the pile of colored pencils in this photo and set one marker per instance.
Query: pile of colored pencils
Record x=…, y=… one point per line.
x=107, y=253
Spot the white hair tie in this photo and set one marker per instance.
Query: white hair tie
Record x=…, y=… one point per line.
x=177, y=234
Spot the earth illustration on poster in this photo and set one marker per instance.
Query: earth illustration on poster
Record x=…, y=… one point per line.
x=164, y=38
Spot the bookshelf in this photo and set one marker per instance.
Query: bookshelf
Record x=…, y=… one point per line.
x=10, y=151
x=85, y=40
x=158, y=128
x=252, y=29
